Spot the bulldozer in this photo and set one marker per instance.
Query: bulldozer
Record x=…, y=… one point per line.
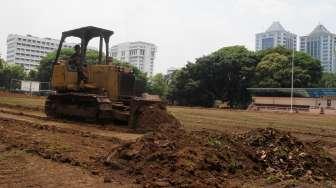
x=108, y=91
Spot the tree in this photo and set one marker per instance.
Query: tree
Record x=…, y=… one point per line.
x=32, y=75
x=274, y=69
x=328, y=80
x=9, y=72
x=158, y=85
x=2, y=62
x=223, y=75
x=44, y=68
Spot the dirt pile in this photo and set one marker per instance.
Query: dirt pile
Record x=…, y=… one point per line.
x=153, y=117
x=172, y=156
x=282, y=154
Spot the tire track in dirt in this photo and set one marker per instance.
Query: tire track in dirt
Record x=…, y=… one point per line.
x=109, y=132
x=62, y=147
x=21, y=169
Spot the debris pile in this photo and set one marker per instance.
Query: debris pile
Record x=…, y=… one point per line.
x=172, y=156
x=279, y=152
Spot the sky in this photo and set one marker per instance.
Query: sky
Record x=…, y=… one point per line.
x=183, y=30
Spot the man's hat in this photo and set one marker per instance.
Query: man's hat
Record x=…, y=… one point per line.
x=77, y=46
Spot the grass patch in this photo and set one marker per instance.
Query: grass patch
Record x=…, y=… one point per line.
x=58, y=147
x=273, y=179
x=24, y=102
x=241, y=121
x=11, y=154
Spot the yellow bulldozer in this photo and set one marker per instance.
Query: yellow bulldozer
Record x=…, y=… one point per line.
x=94, y=91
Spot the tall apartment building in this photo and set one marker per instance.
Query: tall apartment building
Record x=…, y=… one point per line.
x=139, y=54
x=171, y=70
x=321, y=44
x=275, y=36
x=29, y=50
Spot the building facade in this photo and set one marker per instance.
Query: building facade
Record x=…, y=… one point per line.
x=304, y=99
x=139, y=54
x=321, y=44
x=275, y=36
x=28, y=50
x=171, y=70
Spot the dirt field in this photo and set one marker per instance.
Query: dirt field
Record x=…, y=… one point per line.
x=36, y=151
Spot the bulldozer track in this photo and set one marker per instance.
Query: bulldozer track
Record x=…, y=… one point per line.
x=63, y=143
x=21, y=169
x=105, y=132
x=82, y=147
x=62, y=147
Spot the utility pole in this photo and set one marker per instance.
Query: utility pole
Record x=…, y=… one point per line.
x=292, y=87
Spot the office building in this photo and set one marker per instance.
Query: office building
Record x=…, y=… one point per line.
x=140, y=54
x=28, y=50
x=171, y=70
x=320, y=44
x=275, y=36
x=170, y=73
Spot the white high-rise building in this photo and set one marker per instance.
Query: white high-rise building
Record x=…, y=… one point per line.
x=171, y=70
x=321, y=44
x=29, y=50
x=275, y=36
x=140, y=54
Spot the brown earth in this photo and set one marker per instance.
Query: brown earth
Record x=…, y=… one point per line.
x=21, y=169
x=12, y=94
x=60, y=146
x=171, y=156
x=36, y=151
x=152, y=118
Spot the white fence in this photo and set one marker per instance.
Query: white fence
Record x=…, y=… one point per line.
x=28, y=86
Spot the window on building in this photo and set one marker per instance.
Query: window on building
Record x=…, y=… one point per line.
x=114, y=54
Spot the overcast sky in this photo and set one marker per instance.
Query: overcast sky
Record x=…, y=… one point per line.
x=182, y=29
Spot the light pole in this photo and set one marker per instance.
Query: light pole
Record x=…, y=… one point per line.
x=292, y=81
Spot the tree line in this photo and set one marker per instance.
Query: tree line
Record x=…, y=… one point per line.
x=226, y=74
x=222, y=75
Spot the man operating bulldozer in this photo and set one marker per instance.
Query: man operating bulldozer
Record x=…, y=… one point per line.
x=76, y=61
x=106, y=91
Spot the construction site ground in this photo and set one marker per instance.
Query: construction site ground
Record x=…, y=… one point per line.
x=37, y=151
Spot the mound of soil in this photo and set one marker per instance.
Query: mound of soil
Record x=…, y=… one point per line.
x=172, y=156
x=279, y=152
x=152, y=117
